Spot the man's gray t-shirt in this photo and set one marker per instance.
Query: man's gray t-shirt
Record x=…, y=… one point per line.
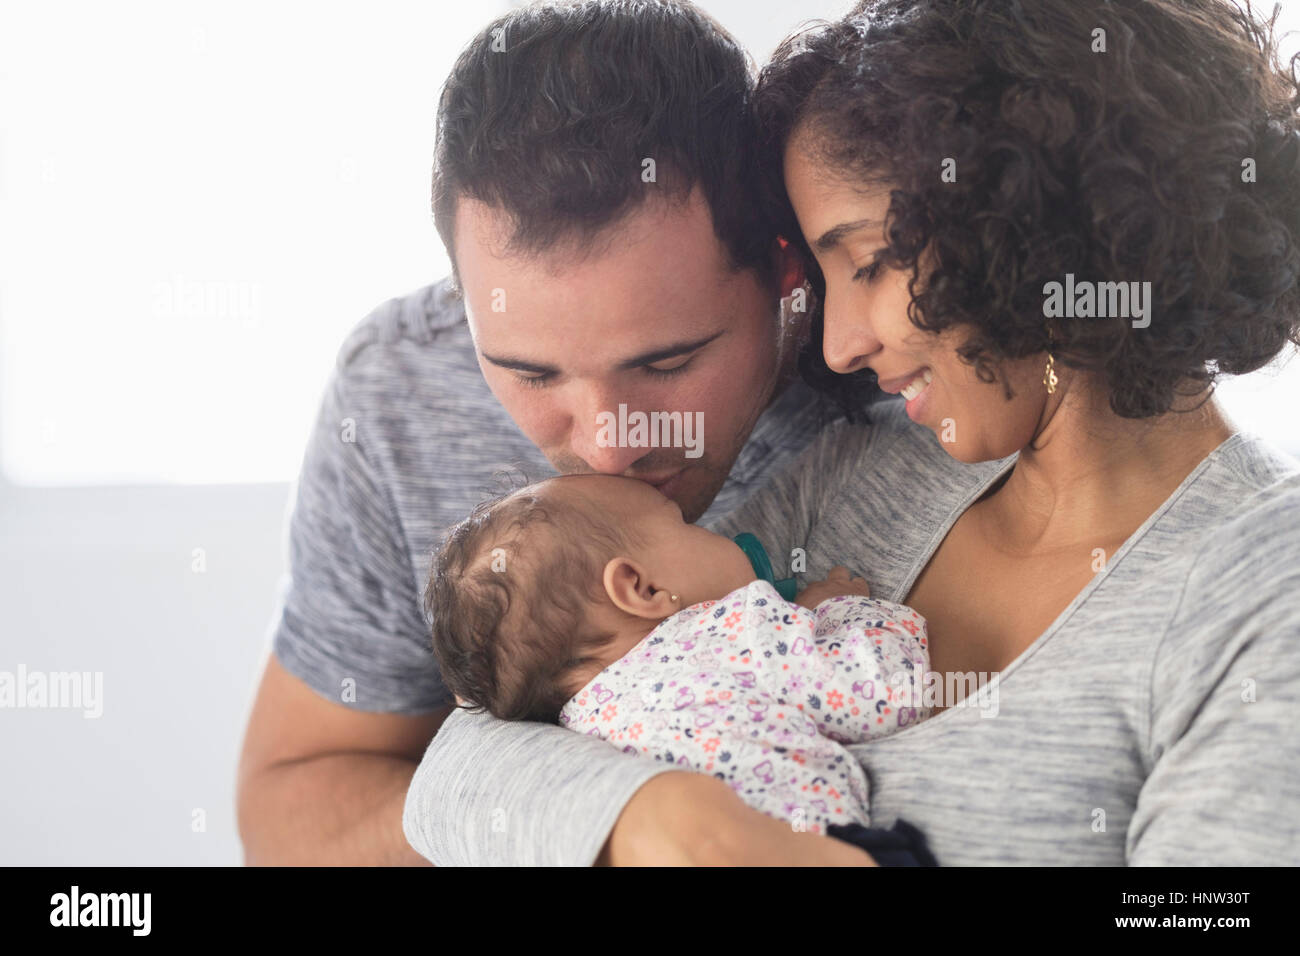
x=408, y=440
x=1154, y=722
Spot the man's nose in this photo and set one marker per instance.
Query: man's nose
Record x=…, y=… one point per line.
x=596, y=435
x=847, y=338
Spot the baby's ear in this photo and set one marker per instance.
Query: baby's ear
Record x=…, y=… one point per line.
x=627, y=585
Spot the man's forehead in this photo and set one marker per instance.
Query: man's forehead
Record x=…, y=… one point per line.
x=628, y=313
x=506, y=237
x=662, y=280
x=676, y=231
x=514, y=235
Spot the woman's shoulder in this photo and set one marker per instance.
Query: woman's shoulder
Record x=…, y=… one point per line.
x=1248, y=544
x=1250, y=498
x=1226, y=559
x=1257, y=461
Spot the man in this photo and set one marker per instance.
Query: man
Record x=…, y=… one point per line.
x=594, y=187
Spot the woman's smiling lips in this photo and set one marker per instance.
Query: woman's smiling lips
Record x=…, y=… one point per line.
x=896, y=385
x=912, y=387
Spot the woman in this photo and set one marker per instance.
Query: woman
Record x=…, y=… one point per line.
x=1111, y=565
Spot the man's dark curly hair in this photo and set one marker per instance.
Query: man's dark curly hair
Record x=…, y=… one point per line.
x=1123, y=165
x=550, y=112
x=511, y=625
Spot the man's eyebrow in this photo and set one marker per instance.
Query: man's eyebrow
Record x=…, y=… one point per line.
x=645, y=358
x=670, y=351
x=519, y=365
x=829, y=239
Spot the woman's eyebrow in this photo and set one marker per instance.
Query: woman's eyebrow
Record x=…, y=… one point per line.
x=829, y=239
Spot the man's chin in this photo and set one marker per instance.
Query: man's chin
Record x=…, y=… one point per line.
x=698, y=488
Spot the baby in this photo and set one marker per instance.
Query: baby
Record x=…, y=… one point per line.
x=587, y=600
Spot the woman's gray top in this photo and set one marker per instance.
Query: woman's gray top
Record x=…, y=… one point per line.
x=1156, y=721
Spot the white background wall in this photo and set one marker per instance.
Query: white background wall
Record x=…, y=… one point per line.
x=197, y=201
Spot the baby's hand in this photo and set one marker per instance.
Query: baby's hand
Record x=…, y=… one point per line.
x=838, y=583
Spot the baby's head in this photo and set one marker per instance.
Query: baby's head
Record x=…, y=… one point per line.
x=540, y=590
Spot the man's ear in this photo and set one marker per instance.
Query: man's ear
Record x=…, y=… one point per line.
x=789, y=267
x=628, y=586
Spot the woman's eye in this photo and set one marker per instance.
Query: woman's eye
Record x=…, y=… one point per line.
x=867, y=273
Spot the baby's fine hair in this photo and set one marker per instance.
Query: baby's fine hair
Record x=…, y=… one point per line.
x=508, y=596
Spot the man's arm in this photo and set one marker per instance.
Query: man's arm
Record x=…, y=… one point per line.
x=351, y=694
x=322, y=784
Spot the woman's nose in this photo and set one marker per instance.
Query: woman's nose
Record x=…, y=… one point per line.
x=847, y=339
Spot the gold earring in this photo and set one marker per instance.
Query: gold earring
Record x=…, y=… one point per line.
x=674, y=597
x=1049, y=374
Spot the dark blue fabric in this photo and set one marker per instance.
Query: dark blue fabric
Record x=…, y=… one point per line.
x=900, y=845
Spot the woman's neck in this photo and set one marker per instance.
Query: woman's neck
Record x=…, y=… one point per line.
x=1091, y=476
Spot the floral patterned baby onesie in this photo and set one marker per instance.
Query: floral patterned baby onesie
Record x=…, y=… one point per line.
x=764, y=693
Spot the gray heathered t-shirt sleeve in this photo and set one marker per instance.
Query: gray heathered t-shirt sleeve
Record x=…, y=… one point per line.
x=492, y=792
x=1223, y=753
x=349, y=624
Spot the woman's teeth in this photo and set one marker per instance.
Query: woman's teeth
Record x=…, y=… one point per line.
x=917, y=385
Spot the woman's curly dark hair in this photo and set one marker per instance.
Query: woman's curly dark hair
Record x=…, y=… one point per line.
x=1123, y=165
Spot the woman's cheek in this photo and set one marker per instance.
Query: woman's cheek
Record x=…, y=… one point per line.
x=992, y=428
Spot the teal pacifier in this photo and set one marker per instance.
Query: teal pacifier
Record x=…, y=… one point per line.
x=753, y=549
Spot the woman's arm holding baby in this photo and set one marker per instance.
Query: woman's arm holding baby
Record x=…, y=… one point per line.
x=513, y=793
x=491, y=792
x=693, y=819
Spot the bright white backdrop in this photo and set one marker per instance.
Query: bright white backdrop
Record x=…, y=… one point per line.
x=197, y=201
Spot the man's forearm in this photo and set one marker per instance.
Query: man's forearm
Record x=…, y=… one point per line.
x=337, y=809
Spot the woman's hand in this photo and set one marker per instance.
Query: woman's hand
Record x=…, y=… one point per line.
x=839, y=583
x=682, y=818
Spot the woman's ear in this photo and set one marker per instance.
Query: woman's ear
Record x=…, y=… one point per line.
x=628, y=586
